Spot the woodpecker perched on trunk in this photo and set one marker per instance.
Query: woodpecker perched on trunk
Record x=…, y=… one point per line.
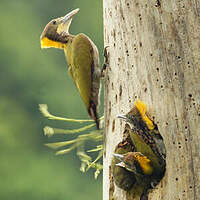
x=82, y=57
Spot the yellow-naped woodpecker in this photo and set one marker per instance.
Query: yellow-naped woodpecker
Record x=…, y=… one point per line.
x=82, y=57
x=135, y=162
x=141, y=169
x=146, y=160
x=144, y=133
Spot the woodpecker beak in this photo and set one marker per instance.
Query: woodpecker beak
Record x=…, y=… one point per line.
x=118, y=156
x=122, y=116
x=120, y=164
x=67, y=19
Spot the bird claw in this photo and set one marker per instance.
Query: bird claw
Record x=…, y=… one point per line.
x=154, y=184
x=106, y=61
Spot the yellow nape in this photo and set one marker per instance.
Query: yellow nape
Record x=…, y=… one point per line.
x=142, y=108
x=47, y=43
x=145, y=164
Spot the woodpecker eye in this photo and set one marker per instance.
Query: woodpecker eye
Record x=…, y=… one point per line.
x=54, y=22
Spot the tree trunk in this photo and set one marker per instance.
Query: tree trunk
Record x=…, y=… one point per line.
x=154, y=55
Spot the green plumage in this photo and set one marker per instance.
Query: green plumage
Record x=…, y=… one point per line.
x=157, y=162
x=79, y=53
x=82, y=57
x=146, y=160
x=122, y=177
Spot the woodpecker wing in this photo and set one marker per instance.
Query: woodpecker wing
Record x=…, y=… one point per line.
x=84, y=64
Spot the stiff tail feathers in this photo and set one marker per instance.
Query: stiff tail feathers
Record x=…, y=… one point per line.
x=92, y=111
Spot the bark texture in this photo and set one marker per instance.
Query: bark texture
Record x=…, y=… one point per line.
x=154, y=55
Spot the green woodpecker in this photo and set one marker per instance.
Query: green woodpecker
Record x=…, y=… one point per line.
x=139, y=165
x=82, y=57
x=135, y=162
x=144, y=132
x=147, y=159
x=131, y=170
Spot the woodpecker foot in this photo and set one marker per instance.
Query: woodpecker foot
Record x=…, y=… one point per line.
x=106, y=61
x=154, y=183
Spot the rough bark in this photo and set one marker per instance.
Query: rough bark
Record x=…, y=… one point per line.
x=154, y=56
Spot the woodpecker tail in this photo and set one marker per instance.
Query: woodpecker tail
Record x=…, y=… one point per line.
x=92, y=111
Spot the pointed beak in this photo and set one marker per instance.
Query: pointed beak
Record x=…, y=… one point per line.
x=118, y=156
x=122, y=116
x=69, y=16
x=121, y=164
x=66, y=20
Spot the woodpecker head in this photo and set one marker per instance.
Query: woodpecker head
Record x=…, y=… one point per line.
x=135, y=162
x=55, y=31
x=137, y=116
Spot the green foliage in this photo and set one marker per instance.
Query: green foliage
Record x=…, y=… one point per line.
x=30, y=76
x=77, y=143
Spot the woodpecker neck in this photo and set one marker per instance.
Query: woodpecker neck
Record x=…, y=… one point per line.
x=145, y=165
x=56, y=41
x=65, y=38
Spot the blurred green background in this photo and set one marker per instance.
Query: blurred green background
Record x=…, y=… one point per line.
x=29, y=76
